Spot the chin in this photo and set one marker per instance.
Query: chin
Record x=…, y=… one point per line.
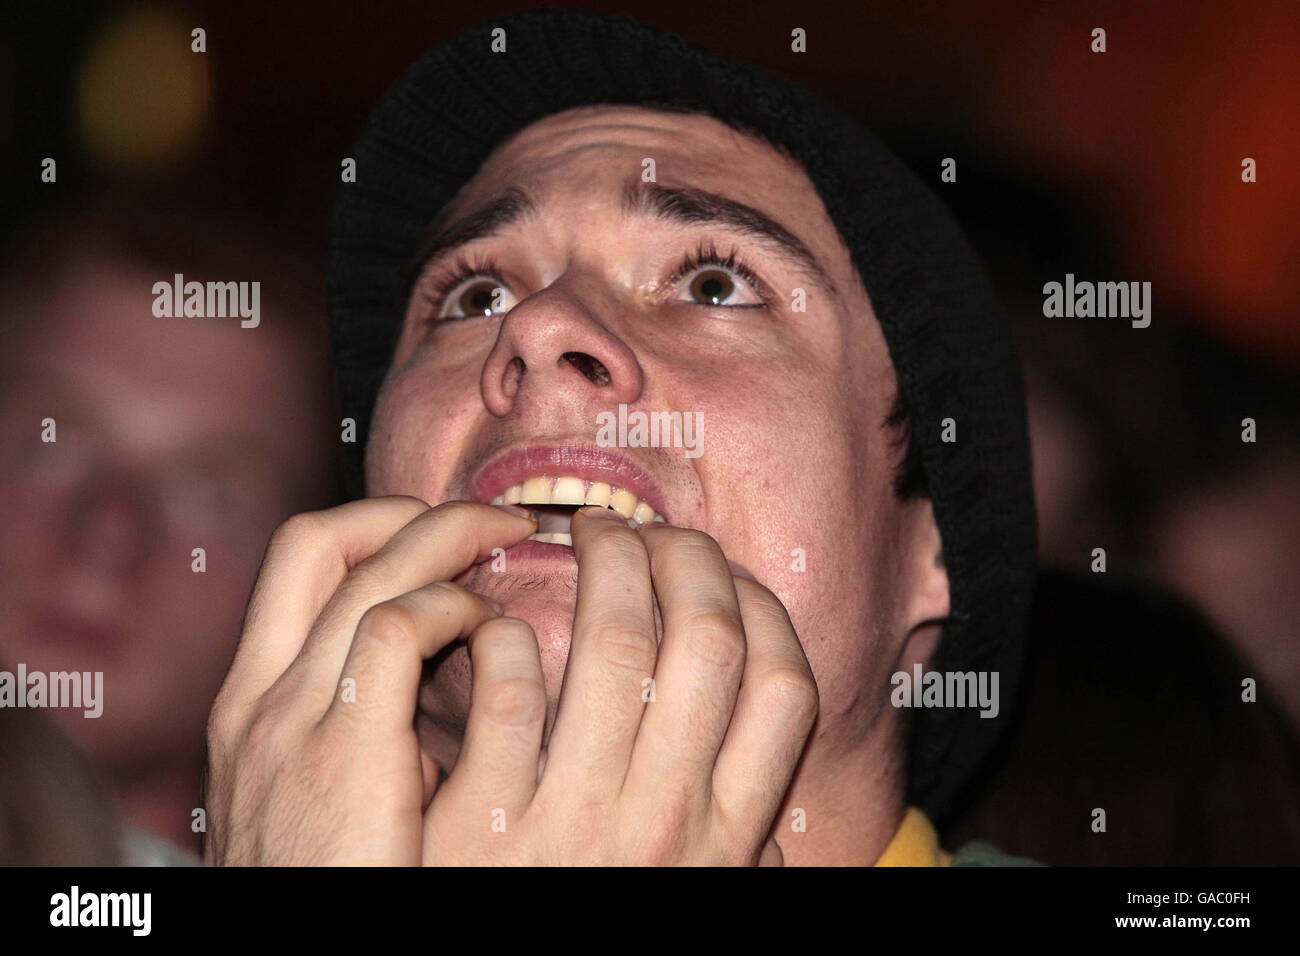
x=540, y=587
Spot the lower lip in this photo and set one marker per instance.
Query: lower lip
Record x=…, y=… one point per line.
x=540, y=551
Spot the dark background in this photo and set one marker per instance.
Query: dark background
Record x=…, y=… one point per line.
x=1143, y=142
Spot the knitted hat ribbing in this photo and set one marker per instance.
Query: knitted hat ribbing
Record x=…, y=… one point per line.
x=432, y=130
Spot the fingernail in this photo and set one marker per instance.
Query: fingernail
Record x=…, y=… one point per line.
x=494, y=605
x=740, y=571
x=516, y=511
x=605, y=514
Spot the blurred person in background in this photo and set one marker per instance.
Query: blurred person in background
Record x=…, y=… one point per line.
x=1137, y=434
x=1187, y=770
x=170, y=434
x=1137, y=448
x=53, y=812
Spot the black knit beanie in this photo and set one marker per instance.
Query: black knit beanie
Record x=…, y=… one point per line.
x=433, y=129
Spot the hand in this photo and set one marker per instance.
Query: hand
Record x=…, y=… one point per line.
x=696, y=776
x=301, y=772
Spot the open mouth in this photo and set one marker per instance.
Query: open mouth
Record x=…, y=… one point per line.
x=553, y=501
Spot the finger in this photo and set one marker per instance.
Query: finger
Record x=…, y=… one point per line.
x=307, y=558
x=611, y=656
x=771, y=855
x=437, y=545
x=386, y=660
x=498, y=761
x=701, y=658
x=428, y=779
x=774, y=713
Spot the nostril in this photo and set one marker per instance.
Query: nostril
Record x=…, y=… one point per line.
x=592, y=368
x=513, y=373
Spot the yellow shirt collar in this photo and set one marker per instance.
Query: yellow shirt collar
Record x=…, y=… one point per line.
x=914, y=844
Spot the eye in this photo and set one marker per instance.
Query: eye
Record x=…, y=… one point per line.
x=476, y=297
x=712, y=287
x=712, y=280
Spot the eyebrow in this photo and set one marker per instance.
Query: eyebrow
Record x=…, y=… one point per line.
x=683, y=205
x=487, y=219
x=689, y=206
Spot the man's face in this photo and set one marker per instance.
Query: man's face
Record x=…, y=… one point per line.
x=163, y=444
x=721, y=291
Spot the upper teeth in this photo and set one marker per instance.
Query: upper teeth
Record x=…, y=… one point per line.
x=566, y=490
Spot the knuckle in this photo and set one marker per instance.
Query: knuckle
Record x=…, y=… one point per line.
x=500, y=634
x=446, y=596
x=627, y=648
x=299, y=531
x=763, y=603
x=584, y=826
x=264, y=733
x=790, y=691
x=514, y=701
x=716, y=636
x=458, y=510
x=661, y=847
x=220, y=729
x=392, y=624
x=370, y=576
x=617, y=543
x=688, y=544
x=414, y=503
x=664, y=833
x=759, y=593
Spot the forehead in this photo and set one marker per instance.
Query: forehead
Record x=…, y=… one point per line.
x=701, y=143
x=582, y=151
x=94, y=326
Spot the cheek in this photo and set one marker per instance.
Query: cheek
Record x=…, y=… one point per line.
x=25, y=506
x=779, y=470
x=32, y=542
x=799, y=491
x=421, y=424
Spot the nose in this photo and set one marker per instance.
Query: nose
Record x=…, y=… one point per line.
x=109, y=526
x=554, y=346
